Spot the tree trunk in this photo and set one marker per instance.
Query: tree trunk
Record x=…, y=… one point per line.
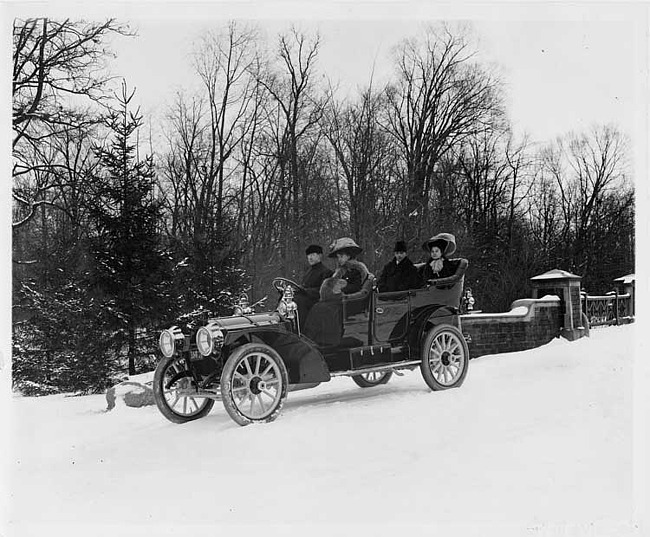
x=132, y=348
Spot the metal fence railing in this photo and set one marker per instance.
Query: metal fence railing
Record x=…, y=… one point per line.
x=609, y=309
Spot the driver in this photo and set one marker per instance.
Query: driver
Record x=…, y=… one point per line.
x=317, y=272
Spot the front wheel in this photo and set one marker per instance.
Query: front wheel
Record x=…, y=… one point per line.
x=374, y=378
x=445, y=358
x=254, y=384
x=173, y=389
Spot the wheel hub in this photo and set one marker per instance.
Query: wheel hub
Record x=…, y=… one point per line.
x=445, y=358
x=257, y=385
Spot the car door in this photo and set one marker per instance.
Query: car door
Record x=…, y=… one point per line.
x=391, y=316
x=356, y=321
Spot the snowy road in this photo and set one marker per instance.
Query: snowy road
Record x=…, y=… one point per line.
x=534, y=443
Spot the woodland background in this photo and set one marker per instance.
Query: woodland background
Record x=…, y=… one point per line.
x=114, y=239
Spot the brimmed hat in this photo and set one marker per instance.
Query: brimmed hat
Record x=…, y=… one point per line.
x=400, y=246
x=344, y=245
x=445, y=241
x=313, y=249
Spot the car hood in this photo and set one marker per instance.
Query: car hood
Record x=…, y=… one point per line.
x=242, y=322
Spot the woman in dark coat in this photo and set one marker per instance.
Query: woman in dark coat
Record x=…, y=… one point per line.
x=349, y=269
x=439, y=268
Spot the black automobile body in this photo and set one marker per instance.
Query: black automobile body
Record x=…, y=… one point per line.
x=250, y=361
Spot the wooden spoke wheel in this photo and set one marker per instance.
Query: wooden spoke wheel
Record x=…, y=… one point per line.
x=173, y=387
x=254, y=384
x=445, y=358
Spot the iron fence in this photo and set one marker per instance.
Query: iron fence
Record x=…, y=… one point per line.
x=609, y=309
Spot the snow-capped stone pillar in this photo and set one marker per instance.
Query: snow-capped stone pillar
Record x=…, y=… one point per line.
x=567, y=287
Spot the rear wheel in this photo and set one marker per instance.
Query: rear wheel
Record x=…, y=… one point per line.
x=374, y=378
x=172, y=388
x=445, y=358
x=254, y=384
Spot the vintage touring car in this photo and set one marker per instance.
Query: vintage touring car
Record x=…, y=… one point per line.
x=250, y=361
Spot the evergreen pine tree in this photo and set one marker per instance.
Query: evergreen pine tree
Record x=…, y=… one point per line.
x=59, y=343
x=130, y=275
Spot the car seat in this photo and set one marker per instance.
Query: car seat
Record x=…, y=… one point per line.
x=359, y=302
x=448, y=291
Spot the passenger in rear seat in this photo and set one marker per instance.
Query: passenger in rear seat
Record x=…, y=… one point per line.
x=439, y=270
x=399, y=274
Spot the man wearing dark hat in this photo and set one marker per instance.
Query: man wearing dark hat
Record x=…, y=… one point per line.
x=399, y=274
x=312, y=280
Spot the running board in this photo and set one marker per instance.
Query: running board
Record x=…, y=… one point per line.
x=203, y=394
x=387, y=367
x=208, y=394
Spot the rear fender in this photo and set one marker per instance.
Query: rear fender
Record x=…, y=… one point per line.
x=428, y=318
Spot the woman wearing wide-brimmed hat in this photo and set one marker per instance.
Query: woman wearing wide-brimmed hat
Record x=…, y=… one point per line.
x=440, y=247
x=354, y=272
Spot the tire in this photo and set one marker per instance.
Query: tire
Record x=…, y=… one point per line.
x=445, y=358
x=374, y=378
x=177, y=409
x=254, y=384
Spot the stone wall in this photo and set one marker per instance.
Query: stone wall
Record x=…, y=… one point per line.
x=530, y=323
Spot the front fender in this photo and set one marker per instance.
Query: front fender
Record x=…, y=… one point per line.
x=304, y=362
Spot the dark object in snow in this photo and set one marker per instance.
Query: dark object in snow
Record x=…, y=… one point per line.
x=251, y=361
x=134, y=394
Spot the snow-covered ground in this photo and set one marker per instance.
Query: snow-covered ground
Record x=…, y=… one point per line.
x=534, y=443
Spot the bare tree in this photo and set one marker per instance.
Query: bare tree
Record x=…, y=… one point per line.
x=57, y=66
x=299, y=111
x=182, y=165
x=543, y=216
x=225, y=63
x=587, y=168
x=482, y=188
x=202, y=170
x=598, y=164
x=49, y=242
x=441, y=97
x=366, y=158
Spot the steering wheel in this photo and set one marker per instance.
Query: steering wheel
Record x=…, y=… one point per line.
x=281, y=284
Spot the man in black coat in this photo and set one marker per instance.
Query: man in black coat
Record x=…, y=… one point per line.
x=311, y=281
x=399, y=274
